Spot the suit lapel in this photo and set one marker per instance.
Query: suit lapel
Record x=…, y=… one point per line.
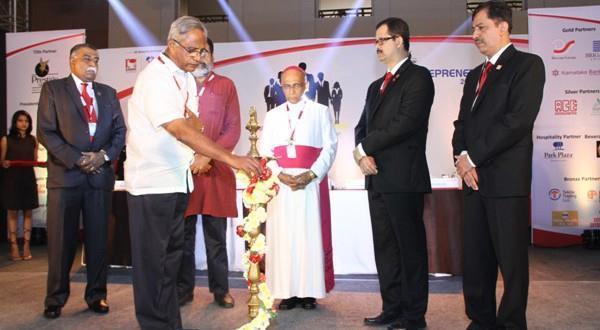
x=494, y=73
x=380, y=97
x=75, y=97
x=101, y=100
x=101, y=111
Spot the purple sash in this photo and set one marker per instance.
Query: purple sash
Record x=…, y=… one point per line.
x=305, y=157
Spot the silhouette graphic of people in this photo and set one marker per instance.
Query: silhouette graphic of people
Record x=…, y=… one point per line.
x=323, y=95
x=270, y=94
x=336, y=100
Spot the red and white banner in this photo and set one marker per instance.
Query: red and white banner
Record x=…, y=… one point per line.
x=566, y=156
x=352, y=63
x=33, y=58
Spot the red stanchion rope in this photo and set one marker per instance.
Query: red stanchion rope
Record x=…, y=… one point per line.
x=26, y=163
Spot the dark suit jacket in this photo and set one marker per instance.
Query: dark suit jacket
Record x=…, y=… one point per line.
x=323, y=94
x=268, y=99
x=496, y=130
x=279, y=96
x=393, y=129
x=63, y=129
x=311, y=90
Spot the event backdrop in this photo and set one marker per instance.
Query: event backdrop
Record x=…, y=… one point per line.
x=33, y=58
x=350, y=62
x=566, y=158
x=566, y=172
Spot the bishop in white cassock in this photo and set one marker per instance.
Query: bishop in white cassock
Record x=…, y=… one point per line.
x=301, y=135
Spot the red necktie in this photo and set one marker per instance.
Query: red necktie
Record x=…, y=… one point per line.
x=483, y=77
x=90, y=114
x=386, y=80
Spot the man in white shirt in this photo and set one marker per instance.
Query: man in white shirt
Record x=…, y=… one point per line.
x=301, y=135
x=163, y=135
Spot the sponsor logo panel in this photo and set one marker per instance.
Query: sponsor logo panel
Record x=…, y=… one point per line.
x=567, y=218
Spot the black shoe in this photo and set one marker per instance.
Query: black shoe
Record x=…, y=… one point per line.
x=224, y=300
x=289, y=303
x=381, y=319
x=409, y=324
x=309, y=303
x=99, y=306
x=478, y=326
x=52, y=312
x=186, y=298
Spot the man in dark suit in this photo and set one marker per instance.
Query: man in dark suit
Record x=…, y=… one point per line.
x=492, y=145
x=81, y=125
x=269, y=94
x=323, y=93
x=391, y=137
x=279, y=96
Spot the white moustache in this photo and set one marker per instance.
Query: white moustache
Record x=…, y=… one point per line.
x=91, y=69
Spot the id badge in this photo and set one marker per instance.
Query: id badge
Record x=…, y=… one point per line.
x=291, y=151
x=92, y=127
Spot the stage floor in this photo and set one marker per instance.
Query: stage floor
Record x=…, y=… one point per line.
x=564, y=294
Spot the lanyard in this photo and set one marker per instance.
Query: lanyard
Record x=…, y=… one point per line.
x=293, y=131
x=210, y=77
x=187, y=93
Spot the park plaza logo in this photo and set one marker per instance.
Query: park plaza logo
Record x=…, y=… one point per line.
x=565, y=107
x=567, y=218
x=558, y=152
x=561, y=49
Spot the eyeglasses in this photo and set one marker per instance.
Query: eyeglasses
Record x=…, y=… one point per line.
x=89, y=59
x=202, y=52
x=293, y=86
x=380, y=41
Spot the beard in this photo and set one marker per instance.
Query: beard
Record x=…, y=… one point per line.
x=202, y=70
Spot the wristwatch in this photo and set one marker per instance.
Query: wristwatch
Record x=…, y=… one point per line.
x=312, y=175
x=106, y=158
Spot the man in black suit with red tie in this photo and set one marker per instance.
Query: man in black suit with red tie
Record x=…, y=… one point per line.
x=492, y=146
x=391, y=137
x=81, y=125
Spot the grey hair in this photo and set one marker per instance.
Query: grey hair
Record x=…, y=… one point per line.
x=183, y=25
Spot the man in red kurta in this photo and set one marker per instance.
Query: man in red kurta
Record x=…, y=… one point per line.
x=214, y=186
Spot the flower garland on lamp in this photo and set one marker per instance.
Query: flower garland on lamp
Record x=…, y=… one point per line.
x=259, y=192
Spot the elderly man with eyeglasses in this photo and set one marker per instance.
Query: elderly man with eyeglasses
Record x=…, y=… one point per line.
x=164, y=133
x=301, y=136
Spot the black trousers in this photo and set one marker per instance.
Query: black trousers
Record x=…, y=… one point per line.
x=400, y=252
x=65, y=207
x=215, y=242
x=496, y=235
x=156, y=227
